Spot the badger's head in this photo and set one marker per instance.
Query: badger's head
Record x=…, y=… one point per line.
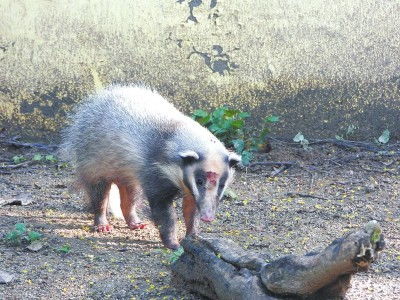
x=206, y=178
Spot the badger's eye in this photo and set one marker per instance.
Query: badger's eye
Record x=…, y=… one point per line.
x=199, y=181
x=221, y=186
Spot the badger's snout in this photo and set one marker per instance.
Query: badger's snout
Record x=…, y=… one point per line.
x=207, y=216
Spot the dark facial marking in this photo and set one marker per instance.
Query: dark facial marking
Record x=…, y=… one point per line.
x=222, y=182
x=200, y=178
x=231, y=161
x=199, y=181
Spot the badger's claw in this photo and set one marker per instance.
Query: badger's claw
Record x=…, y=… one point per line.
x=134, y=226
x=104, y=228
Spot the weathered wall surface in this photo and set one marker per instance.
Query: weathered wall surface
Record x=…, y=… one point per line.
x=322, y=65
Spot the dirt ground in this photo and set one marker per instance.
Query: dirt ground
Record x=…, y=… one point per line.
x=330, y=192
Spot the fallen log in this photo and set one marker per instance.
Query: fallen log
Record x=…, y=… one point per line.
x=220, y=269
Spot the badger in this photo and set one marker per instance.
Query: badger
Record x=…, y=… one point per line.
x=132, y=137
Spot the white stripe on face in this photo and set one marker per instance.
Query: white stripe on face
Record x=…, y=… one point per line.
x=192, y=180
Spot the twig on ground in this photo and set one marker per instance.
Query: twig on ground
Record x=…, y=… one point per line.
x=5, y=181
x=377, y=170
x=348, y=182
x=17, y=144
x=291, y=194
x=343, y=144
x=351, y=157
x=348, y=144
x=16, y=166
x=279, y=170
x=274, y=163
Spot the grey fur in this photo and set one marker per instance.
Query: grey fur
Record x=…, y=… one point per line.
x=133, y=136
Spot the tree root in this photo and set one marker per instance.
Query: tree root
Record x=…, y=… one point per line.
x=220, y=269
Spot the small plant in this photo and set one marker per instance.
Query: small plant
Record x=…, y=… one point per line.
x=37, y=157
x=20, y=234
x=176, y=254
x=229, y=193
x=384, y=137
x=225, y=123
x=64, y=249
x=62, y=165
x=44, y=158
x=51, y=158
x=299, y=138
x=349, y=132
x=17, y=159
x=229, y=126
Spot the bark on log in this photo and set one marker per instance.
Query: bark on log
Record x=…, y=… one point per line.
x=220, y=269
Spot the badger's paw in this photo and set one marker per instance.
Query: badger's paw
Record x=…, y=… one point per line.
x=104, y=228
x=135, y=226
x=172, y=245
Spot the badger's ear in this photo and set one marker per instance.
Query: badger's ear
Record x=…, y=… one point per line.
x=234, y=159
x=189, y=156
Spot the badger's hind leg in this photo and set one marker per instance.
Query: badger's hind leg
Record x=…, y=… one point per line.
x=98, y=194
x=130, y=196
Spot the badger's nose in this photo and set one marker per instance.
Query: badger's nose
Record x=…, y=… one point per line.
x=207, y=218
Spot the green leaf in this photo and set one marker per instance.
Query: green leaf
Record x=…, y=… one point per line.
x=204, y=121
x=246, y=157
x=20, y=227
x=376, y=235
x=298, y=138
x=217, y=129
x=338, y=137
x=214, y=127
x=229, y=113
x=65, y=248
x=237, y=124
x=229, y=193
x=238, y=144
x=51, y=158
x=13, y=236
x=33, y=236
x=200, y=113
x=243, y=115
x=218, y=113
x=18, y=159
x=351, y=129
x=62, y=165
x=374, y=230
x=385, y=137
x=37, y=157
x=271, y=119
x=227, y=124
x=176, y=254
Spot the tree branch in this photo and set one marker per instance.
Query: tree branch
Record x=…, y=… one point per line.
x=220, y=269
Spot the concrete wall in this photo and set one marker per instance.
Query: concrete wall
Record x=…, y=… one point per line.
x=321, y=65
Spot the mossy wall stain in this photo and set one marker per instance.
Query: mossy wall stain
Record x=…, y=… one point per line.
x=321, y=65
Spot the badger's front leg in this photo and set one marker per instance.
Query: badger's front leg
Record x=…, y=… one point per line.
x=190, y=215
x=164, y=215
